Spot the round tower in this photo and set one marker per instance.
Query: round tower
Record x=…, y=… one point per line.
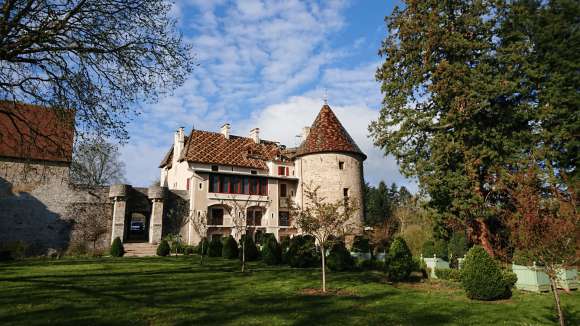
x=329, y=159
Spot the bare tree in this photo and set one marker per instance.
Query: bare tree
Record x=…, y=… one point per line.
x=324, y=220
x=199, y=224
x=239, y=213
x=98, y=57
x=96, y=163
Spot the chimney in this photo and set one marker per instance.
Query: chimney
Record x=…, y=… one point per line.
x=305, y=133
x=255, y=135
x=226, y=130
x=178, y=140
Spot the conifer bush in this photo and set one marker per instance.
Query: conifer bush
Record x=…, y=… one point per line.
x=215, y=247
x=251, y=250
x=230, y=248
x=399, y=261
x=117, y=249
x=482, y=278
x=339, y=258
x=302, y=252
x=271, y=251
x=163, y=249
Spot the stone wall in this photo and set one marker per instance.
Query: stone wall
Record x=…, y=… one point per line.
x=45, y=212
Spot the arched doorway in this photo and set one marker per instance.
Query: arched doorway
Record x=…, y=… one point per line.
x=138, y=229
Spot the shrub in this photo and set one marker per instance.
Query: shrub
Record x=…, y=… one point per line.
x=215, y=247
x=163, y=249
x=271, y=251
x=510, y=278
x=482, y=278
x=203, y=245
x=79, y=248
x=230, y=248
x=251, y=250
x=188, y=250
x=399, y=261
x=364, y=264
x=117, y=249
x=457, y=247
x=13, y=250
x=449, y=274
x=361, y=244
x=428, y=249
x=284, y=246
x=302, y=252
x=339, y=258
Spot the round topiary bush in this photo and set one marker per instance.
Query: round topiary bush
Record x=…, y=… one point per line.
x=271, y=251
x=482, y=278
x=250, y=249
x=230, y=248
x=399, y=261
x=339, y=258
x=215, y=247
x=361, y=244
x=302, y=252
x=203, y=245
x=163, y=249
x=117, y=249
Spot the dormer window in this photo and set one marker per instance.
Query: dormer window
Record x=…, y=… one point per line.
x=254, y=172
x=214, y=168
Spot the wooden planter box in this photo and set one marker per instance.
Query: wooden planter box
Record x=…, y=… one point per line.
x=533, y=278
x=435, y=263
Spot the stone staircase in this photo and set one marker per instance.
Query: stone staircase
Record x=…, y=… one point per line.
x=139, y=249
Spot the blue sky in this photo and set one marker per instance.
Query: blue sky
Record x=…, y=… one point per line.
x=267, y=64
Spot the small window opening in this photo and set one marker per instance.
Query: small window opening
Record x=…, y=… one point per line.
x=254, y=172
x=341, y=165
x=214, y=168
x=345, y=192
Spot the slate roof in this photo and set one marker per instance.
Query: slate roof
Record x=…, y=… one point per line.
x=34, y=132
x=213, y=148
x=328, y=135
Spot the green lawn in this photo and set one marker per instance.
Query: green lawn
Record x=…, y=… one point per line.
x=161, y=291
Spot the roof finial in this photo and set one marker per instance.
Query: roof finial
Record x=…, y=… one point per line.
x=325, y=97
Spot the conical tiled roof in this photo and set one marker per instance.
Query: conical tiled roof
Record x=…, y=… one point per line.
x=328, y=135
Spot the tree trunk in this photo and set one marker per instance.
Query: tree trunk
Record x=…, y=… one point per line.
x=323, y=268
x=243, y=255
x=557, y=300
x=484, y=237
x=201, y=261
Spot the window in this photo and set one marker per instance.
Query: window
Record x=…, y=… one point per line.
x=254, y=217
x=283, y=190
x=283, y=219
x=253, y=172
x=200, y=185
x=345, y=192
x=187, y=184
x=214, y=168
x=341, y=165
x=287, y=171
x=263, y=187
x=280, y=170
x=217, y=216
x=235, y=184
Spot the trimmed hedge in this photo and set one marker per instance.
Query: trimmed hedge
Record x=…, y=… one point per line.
x=339, y=258
x=117, y=249
x=271, y=251
x=251, y=250
x=284, y=246
x=163, y=249
x=449, y=274
x=482, y=278
x=215, y=247
x=302, y=252
x=399, y=261
x=230, y=248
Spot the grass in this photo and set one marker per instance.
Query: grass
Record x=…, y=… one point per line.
x=170, y=290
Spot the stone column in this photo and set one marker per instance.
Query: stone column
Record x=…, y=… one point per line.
x=157, y=196
x=119, y=195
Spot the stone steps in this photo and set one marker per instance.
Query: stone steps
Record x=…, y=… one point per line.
x=140, y=249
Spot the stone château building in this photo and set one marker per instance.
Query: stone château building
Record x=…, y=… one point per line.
x=223, y=174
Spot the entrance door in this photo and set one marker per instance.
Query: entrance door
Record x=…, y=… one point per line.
x=138, y=228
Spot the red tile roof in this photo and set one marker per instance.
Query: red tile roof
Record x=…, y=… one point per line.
x=33, y=132
x=213, y=148
x=328, y=135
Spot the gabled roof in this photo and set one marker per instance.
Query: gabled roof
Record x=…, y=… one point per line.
x=213, y=148
x=328, y=135
x=34, y=132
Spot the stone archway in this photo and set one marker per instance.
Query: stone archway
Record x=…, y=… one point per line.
x=138, y=227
